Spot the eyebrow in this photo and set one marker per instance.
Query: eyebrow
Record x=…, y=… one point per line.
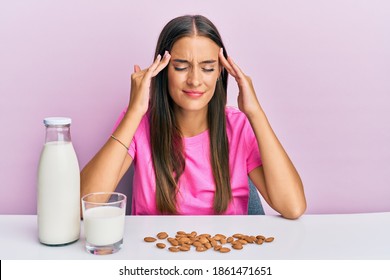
x=209, y=61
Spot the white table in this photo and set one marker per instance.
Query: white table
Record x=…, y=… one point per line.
x=318, y=237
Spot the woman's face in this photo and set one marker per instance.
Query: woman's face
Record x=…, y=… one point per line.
x=193, y=72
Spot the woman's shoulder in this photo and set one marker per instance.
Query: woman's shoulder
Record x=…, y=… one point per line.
x=144, y=126
x=236, y=122
x=234, y=115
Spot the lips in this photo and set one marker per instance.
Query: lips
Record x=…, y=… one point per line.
x=193, y=93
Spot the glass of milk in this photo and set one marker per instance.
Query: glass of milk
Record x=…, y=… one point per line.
x=104, y=221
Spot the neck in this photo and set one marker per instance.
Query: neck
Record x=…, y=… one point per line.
x=191, y=123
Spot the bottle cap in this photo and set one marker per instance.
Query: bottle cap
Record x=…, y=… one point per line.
x=57, y=121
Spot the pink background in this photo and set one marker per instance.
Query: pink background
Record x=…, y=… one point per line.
x=321, y=70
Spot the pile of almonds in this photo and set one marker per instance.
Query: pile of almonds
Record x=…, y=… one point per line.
x=203, y=242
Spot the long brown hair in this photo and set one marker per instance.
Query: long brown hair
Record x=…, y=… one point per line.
x=166, y=139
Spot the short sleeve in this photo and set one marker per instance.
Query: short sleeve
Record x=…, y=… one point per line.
x=253, y=153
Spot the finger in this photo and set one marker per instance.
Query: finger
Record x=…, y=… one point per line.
x=163, y=63
x=137, y=68
x=236, y=69
x=152, y=68
x=225, y=63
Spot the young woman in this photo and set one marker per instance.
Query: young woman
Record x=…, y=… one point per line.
x=192, y=155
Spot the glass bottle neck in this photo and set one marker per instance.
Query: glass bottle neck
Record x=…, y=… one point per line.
x=58, y=133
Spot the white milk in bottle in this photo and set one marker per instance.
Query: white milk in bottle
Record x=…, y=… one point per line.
x=58, y=207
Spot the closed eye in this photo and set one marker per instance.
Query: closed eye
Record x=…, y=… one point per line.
x=185, y=68
x=180, y=68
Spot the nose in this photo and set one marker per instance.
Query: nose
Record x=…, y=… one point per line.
x=194, y=77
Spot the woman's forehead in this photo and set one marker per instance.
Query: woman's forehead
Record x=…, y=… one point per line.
x=197, y=48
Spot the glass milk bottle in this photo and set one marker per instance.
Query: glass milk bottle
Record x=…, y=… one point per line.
x=58, y=207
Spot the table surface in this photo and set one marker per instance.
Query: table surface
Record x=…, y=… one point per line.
x=319, y=237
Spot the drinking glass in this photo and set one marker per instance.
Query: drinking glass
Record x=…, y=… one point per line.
x=104, y=221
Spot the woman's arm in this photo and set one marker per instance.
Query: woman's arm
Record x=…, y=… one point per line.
x=277, y=179
x=108, y=166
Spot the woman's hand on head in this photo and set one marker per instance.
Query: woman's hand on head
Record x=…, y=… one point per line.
x=140, y=83
x=247, y=100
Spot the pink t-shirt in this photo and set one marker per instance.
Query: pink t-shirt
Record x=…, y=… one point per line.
x=196, y=184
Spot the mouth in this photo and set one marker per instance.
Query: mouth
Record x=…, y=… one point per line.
x=193, y=93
